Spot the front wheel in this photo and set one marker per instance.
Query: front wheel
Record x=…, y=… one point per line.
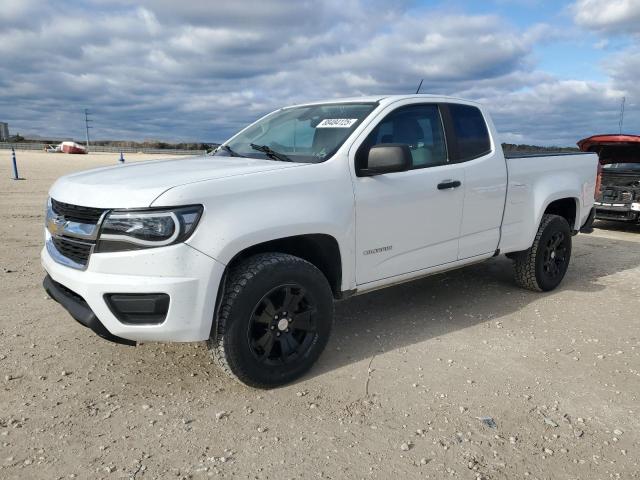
x=542, y=267
x=274, y=322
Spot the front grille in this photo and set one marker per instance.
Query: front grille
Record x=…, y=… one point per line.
x=73, y=252
x=72, y=249
x=76, y=213
x=616, y=215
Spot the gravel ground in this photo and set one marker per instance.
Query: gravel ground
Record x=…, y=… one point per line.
x=460, y=375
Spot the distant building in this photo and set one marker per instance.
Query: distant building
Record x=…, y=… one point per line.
x=4, y=132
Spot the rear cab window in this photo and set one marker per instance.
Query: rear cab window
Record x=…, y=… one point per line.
x=467, y=132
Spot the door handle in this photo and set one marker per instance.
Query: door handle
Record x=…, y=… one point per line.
x=447, y=184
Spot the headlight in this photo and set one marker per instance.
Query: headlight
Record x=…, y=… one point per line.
x=132, y=230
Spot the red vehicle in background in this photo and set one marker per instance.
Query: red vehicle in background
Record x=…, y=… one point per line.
x=66, y=147
x=618, y=185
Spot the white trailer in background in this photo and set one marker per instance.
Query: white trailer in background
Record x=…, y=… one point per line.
x=67, y=147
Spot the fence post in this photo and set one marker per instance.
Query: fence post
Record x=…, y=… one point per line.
x=121, y=157
x=15, y=164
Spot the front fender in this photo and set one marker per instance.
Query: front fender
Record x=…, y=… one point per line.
x=243, y=211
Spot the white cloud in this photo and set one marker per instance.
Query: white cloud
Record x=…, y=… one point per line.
x=619, y=18
x=624, y=69
x=558, y=112
x=601, y=44
x=151, y=69
x=613, y=16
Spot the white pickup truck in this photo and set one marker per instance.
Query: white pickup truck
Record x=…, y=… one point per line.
x=247, y=248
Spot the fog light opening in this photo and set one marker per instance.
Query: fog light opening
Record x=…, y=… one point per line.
x=138, y=308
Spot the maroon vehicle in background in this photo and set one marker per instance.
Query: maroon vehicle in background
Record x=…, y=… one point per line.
x=618, y=185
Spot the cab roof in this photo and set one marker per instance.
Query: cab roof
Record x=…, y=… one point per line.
x=386, y=99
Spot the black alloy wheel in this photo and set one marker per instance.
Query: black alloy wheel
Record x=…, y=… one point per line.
x=555, y=255
x=274, y=319
x=542, y=267
x=282, y=326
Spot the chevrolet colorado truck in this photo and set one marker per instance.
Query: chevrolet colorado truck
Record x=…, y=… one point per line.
x=247, y=248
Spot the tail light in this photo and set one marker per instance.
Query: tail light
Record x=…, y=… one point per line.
x=597, y=192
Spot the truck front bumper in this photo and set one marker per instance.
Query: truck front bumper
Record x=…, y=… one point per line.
x=79, y=310
x=628, y=212
x=189, y=278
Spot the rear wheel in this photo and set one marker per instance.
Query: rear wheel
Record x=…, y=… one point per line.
x=543, y=266
x=275, y=320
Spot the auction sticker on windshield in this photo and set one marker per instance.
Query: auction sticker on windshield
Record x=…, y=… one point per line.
x=337, y=122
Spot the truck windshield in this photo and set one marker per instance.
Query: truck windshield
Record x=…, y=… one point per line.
x=309, y=134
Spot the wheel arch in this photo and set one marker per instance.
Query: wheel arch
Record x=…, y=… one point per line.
x=566, y=207
x=321, y=250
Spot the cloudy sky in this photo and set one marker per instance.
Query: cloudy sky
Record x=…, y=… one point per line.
x=551, y=72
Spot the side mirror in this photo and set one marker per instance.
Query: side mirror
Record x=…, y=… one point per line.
x=387, y=158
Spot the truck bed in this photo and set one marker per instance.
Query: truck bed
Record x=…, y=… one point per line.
x=509, y=155
x=534, y=181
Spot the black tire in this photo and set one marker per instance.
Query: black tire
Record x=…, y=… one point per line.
x=258, y=341
x=542, y=267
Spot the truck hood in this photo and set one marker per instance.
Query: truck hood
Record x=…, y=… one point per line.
x=136, y=185
x=613, y=148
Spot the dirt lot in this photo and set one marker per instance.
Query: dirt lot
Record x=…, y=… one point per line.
x=399, y=392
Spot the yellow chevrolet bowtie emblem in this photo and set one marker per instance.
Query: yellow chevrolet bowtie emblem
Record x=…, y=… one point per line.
x=56, y=224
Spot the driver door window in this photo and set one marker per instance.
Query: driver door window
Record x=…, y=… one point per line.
x=418, y=126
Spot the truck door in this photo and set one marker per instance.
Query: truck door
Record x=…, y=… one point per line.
x=408, y=221
x=485, y=178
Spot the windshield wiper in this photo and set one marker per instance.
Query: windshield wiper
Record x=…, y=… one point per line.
x=230, y=151
x=271, y=153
